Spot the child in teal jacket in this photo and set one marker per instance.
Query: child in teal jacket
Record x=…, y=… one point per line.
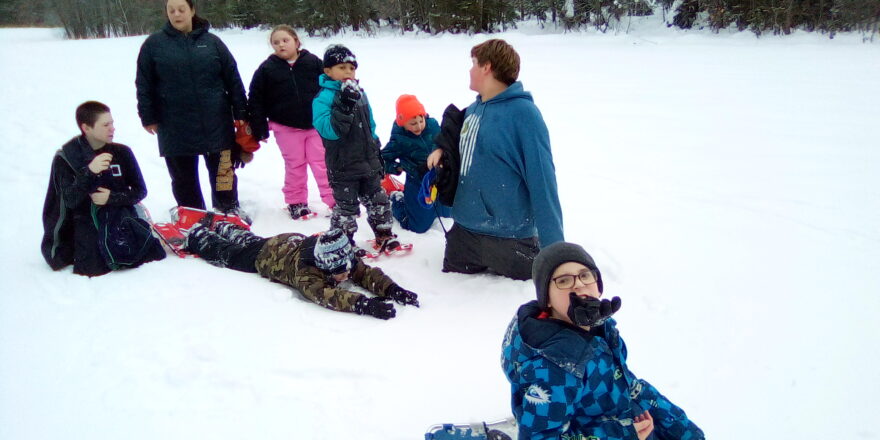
x=412, y=140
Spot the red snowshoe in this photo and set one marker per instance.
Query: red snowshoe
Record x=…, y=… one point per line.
x=173, y=234
x=391, y=184
x=389, y=247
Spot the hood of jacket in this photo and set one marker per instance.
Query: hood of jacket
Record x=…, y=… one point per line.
x=513, y=91
x=563, y=344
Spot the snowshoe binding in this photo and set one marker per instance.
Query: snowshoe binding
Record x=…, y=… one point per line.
x=389, y=246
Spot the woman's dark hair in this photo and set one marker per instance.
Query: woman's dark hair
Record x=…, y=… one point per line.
x=189, y=2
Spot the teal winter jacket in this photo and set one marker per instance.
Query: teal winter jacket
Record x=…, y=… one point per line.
x=350, y=142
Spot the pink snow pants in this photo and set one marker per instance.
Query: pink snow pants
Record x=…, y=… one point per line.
x=300, y=148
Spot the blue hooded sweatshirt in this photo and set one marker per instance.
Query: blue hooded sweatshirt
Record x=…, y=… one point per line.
x=507, y=184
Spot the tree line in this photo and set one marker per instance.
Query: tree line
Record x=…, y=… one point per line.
x=107, y=18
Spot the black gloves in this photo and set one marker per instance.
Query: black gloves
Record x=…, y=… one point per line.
x=402, y=296
x=376, y=307
x=349, y=96
x=589, y=311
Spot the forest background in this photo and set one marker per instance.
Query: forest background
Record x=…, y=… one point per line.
x=109, y=18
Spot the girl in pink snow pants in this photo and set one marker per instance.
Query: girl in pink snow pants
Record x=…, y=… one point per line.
x=280, y=99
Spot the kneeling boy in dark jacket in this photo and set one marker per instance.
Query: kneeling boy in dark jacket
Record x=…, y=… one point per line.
x=315, y=265
x=90, y=173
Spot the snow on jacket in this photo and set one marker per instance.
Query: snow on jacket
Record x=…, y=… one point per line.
x=283, y=93
x=507, y=181
x=289, y=259
x=69, y=232
x=189, y=85
x=568, y=382
x=350, y=142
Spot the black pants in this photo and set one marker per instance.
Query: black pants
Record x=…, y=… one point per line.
x=184, y=171
x=232, y=247
x=470, y=252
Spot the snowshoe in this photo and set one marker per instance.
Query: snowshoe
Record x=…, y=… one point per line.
x=499, y=430
x=389, y=247
x=168, y=233
x=365, y=254
x=390, y=184
x=184, y=217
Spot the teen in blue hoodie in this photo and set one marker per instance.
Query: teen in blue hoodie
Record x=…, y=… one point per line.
x=506, y=204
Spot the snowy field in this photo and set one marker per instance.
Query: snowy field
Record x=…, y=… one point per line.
x=728, y=187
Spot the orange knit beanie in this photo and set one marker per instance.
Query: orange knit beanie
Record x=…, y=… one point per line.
x=408, y=107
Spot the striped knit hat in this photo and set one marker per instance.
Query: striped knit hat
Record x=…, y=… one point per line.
x=333, y=252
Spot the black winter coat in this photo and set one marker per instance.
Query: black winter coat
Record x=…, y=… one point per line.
x=283, y=93
x=351, y=147
x=189, y=85
x=70, y=235
x=450, y=163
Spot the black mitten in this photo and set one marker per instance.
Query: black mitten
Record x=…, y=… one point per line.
x=376, y=307
x=348, y=97
x=589, y=311
x=402, y=296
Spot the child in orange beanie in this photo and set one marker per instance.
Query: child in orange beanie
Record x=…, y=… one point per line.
x=412, y=140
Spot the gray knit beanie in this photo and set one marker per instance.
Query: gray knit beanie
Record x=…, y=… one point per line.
x=552, y=257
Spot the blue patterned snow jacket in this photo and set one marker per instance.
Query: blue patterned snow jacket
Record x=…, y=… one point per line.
x=570, y=384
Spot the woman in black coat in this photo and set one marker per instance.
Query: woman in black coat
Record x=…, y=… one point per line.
x=189, y=92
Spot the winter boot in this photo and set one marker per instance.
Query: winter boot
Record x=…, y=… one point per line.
x=299, y=211
x=385, y=240
x=240, y=213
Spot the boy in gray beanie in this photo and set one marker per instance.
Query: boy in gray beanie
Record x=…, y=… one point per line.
x=566, y=362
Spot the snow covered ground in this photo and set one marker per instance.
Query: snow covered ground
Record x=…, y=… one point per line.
x=726, y=185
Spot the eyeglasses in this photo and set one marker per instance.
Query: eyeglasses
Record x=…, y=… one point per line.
x=586, y=276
